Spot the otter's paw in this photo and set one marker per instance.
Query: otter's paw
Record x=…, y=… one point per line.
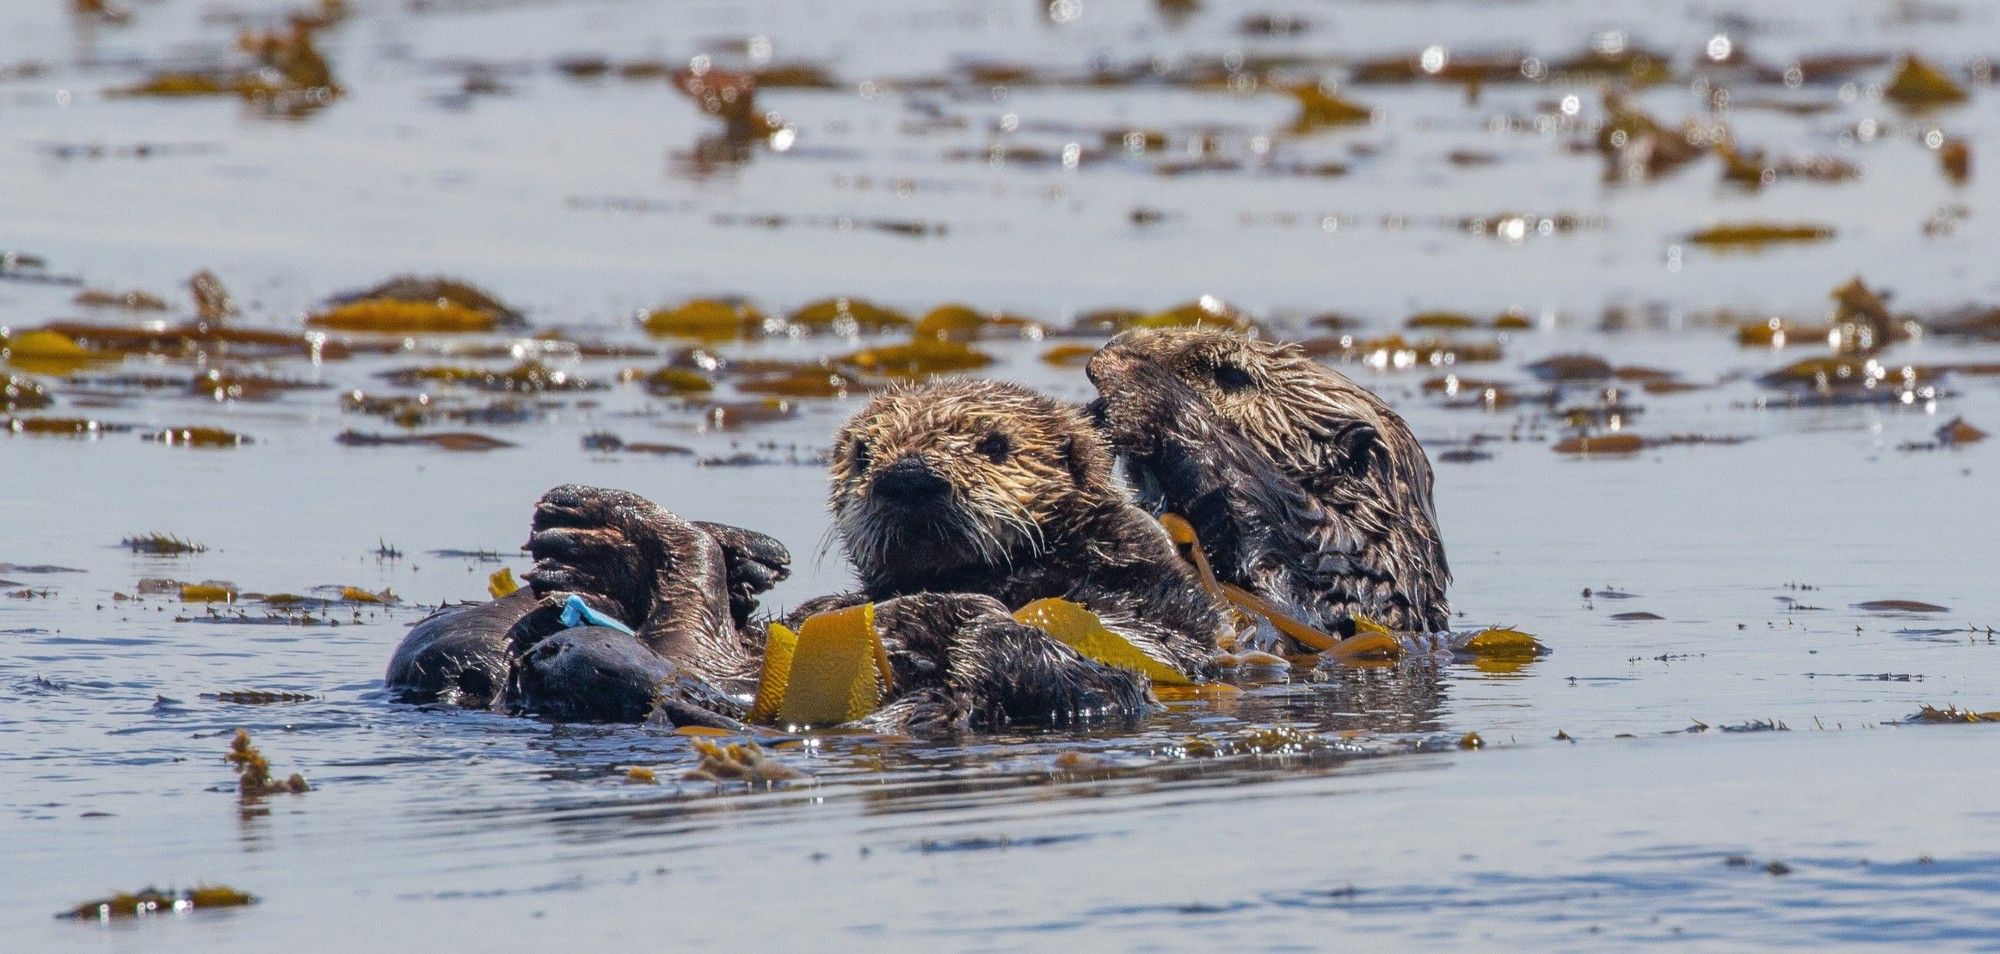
x=606, y=542
x=752, y=562
x=918, y=631
x=1013, y=674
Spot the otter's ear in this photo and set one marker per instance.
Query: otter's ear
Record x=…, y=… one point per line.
x=1354, y=448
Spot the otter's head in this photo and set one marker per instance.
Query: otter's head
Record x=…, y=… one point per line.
x=959, y=481
x=1308, y=419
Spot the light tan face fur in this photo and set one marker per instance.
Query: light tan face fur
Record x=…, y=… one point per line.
x=1013, y=459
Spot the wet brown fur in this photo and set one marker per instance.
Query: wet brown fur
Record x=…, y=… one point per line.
x=1304, y=486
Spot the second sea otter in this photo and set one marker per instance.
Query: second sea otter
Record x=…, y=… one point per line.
x=1303, y=487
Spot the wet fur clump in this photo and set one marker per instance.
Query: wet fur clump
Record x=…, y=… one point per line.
x=1304, y=486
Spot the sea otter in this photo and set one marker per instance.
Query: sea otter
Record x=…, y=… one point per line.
x=670, y=639
x=959, y=501
x=1303, y=487
x=956, y=502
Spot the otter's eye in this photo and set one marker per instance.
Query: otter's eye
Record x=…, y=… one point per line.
x=859, y=453
x=1229, y=377
x=995, y=446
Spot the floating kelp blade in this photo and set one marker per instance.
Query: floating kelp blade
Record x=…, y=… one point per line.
x=389, y=316
x=780, y=644
x=832, y=670
x=502, y=583
x=1371, y=640
x=155, y=901
x=1081, y=630
x=1503, y=643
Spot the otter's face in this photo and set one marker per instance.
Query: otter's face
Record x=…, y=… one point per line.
x=960, y=477
x=1304, y=417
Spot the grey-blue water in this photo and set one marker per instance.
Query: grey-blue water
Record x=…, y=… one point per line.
x=586, y=201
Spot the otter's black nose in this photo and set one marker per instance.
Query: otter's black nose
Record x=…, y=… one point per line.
x=910, y=482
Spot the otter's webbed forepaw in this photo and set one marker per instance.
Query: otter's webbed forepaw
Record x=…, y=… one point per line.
x=589, y=540
x=635, y=553
x=752, y=562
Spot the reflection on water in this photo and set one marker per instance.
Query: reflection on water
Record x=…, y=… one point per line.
x=1762, y=515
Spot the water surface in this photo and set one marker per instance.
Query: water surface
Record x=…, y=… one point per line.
x=1609, y=804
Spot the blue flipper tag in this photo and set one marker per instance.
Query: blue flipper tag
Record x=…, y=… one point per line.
x=576, y=613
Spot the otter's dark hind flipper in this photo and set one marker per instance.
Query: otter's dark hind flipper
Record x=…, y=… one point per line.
x=459, y=654
x=751, y=561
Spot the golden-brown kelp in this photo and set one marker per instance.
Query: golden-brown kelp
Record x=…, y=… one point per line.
x=154, y=901
x=528, y=377
x=450, y=442
x=129, y=300
x=384, y=315
x=844, y=313
x=706, y=319
x=1919, y=85
x=962, y=323
x=161, y=544
x=1636, y=146
x=1955, y=157
x=806, y=381
x=1598, y=445
x=45, y=351
x=1758, y=234
x=1323, y=109
x=203, y=437
x=728, y=96
x=22, y=394
x=739, y=762
x=287, y=74
x=917, y=358
x=253, y=771
x=675, y=382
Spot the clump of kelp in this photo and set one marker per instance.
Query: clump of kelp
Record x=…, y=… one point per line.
x=22, y=394
x=1862, y=331
x=154, y=901
x=253, y=771
x=418, y=305
x=744, y=762
x=1951, y=714
x=161, y=544
x=282, y=70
